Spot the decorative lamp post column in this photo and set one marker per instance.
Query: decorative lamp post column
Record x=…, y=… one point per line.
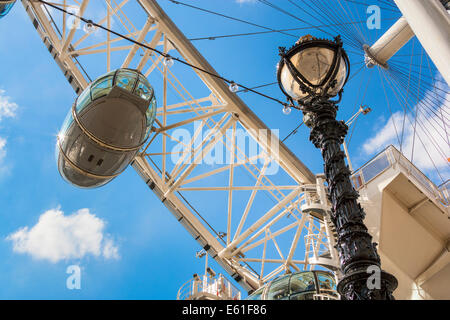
x=311, y=73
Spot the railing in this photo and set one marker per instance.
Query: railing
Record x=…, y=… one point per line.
x=445, y=191
x=218, y=287
x=391, y=157
x=315, y=247
x=327, y=294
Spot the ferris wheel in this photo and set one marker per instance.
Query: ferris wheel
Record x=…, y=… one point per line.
x=198, y=139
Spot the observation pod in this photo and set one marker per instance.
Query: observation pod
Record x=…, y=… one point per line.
x=5, y=7
x=107, y=125
x=307, y=285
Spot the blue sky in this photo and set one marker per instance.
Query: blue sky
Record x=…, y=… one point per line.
x=153, y=255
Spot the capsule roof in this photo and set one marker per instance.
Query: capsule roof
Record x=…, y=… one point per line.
x=304, y=285
x=128, y=79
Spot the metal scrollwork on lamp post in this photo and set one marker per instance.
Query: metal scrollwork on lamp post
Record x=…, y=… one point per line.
x=311, y=73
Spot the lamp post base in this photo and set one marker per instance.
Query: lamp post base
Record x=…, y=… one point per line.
x=359, y=260
x=356, y=285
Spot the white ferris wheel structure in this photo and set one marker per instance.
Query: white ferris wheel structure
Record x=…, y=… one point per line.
x=272, y=222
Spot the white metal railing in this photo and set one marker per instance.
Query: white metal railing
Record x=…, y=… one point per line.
x=327, y=294
x=324, y=296
x=391, y=157
x=316, y=247
x=218, y=287
x=445, y=190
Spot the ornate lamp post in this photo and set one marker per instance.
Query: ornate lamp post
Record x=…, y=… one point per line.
x=311, y=73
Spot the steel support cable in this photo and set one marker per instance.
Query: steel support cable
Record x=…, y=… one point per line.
x=198, y=213
x=425, y=101
x=435, y=117
x=389, y=106
x=369, y=34
x=366, y=4
x=347, y=12
x=398, y=90
x=348, y=138
x=406, y=55
x=330, y=12
x=358, y=94
x=291, y=15
x=330, y=19
x=403, y=76
x=155, y=50
x=426, y=88
x=440, y=109
x=388, y=3
x=359, y=53
x=417, y=108
x=420, y=139
x=247, y=172
x=61, y=35
x=434, y=100
x=323, y=16
x=400, y=66
x=405, y=98
x=355, y=105
x=257, y=87
x=293, y=132
x=399, y=62
x=356, y=72
x=353, y=130
x=425, y=115
x=362, y=99
x=218, y=236
x=359, y=89
x=231, y=18
x=161, y=53
x=187, y=202
x=429, y=104
x=269, y=32
x=250, y=23
x=407, y=94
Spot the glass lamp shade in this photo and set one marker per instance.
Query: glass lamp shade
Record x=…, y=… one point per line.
x=313, y=63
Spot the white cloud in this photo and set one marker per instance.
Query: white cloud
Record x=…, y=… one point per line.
x=4, y=168
x=57, y=237
x=429, y=136
x=245, y=1
x=7, y=108
x=385, y=135
x=2, y=149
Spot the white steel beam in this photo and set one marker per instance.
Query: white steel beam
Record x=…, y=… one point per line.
x=260, y=222
x=287, y=159
x=167, y=178
x=72, y=31
x=430, y=22
x=392, y=41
